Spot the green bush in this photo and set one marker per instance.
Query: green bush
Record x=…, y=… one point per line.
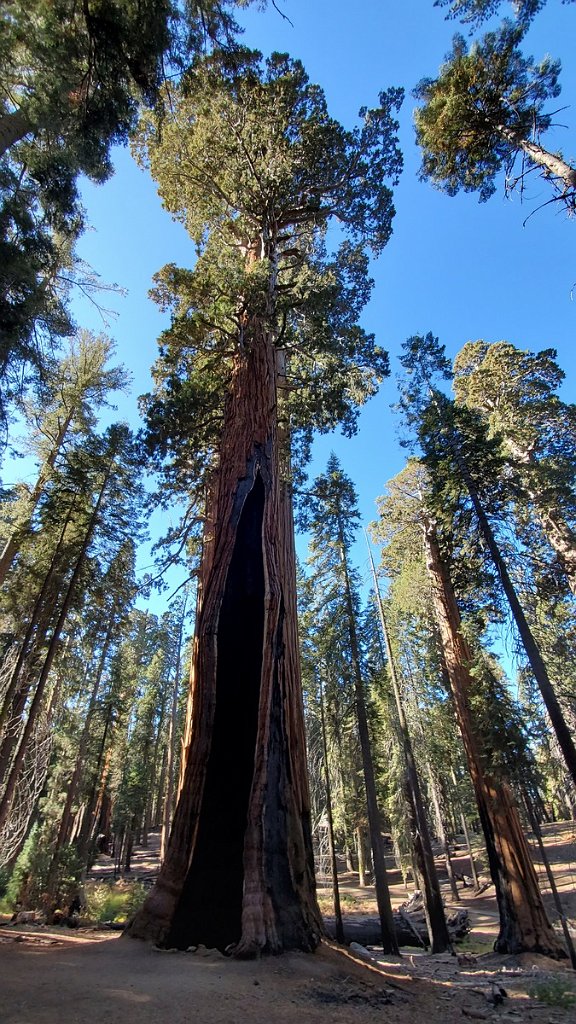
x=25, y=886
x=4, y=879
x=116, y=901
x=553, y=992
x=136, y=897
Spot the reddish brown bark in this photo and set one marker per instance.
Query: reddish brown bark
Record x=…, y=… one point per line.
x=239, y=867
x=524, y=926
x=53, y=646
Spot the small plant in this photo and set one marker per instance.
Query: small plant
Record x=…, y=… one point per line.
x=135, y=898
x=25, y=888
x=553, y=992
x=349, y=900
x=112, y=903
x=476, y=947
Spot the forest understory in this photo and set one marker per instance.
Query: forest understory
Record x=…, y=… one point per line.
x=91, y=974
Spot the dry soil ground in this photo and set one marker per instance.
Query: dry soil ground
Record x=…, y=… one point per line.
x=90, y=977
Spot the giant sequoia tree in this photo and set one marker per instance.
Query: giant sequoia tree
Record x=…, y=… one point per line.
x=264, y=341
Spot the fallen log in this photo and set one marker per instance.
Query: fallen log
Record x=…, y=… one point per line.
x=410, y=928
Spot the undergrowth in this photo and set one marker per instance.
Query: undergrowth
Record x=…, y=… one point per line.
x=553, y=992
x=114, y=902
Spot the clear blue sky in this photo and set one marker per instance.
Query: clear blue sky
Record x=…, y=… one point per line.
x=461, y=269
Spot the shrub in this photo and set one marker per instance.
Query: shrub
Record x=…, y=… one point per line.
x=115, y=902
x=553, y=992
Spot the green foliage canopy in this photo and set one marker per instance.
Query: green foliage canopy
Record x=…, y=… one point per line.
x=486, y=103
x=73, y=77
x=252, y=163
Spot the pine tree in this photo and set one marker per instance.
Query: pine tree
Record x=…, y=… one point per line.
x=73, y=79
x=332, y=517
x=456, y=448
x=434, y=909
x=474, y=12
x=78, y=385
x=483, y=112
x=92, y=509
x=516, y=393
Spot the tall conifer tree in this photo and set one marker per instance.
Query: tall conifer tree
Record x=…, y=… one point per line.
x=264, y=340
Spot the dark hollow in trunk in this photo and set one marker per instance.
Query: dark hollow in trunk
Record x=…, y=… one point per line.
x=210, y=907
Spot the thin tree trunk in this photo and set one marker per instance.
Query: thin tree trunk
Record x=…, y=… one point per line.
x=524, y=926
x=415, y=870
x=389, y=943
x=550, y=876
x=466, y=833
x=97, y=808
x=13, y=730
x=128, y=848
x=441, y=828
x=72, y=790
x=537, y=665
x=38, y=609
x=158, y=808
x=541, y=157
x=83, y=830
x=339, y=924
x=172, y=741
x=361, y=857
x=434, y=907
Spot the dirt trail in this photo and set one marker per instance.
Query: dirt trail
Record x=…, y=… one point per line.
x=46, y=980
x=90, y=977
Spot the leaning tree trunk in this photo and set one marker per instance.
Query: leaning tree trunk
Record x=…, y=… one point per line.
x=552, y=165
x=524, y=926
x=171, y=746
x=339, y=924
x=239, y=868
x=435, y=796
x=38, y=610
x=64, y=829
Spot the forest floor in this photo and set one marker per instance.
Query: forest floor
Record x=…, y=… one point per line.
x=55, y=976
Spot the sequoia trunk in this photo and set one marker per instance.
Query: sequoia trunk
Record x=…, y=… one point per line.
x=524, y=926
x=239, y=867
